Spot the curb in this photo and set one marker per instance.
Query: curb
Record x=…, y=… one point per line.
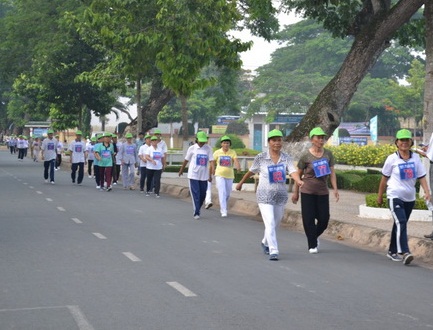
x=362, y=236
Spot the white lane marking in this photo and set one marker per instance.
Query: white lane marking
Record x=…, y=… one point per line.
x=168, y=224
x=61, y=209
x=49, y=199
x=31, y=187
x=179, y=287
x=99, y=235
x=131, y=256
x=25, y=183
x=80, y=318
x=39, y=192
x=76, y=220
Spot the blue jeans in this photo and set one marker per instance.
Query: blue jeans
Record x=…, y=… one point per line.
x=49, y=164
x=400, y=211
x=198, y=194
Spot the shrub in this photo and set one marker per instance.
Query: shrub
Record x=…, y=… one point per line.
x=352, y=154
x=346, y=180
x=368, y=183
x=371, y=201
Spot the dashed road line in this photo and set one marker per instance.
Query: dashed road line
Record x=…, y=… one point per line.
x=31, y=187
x=49, y=199
x=61, y=209
x=39, y=192
x=131, y=256
x=99, y=235
x=183, y=290
x=80, y=318
x=76, y=220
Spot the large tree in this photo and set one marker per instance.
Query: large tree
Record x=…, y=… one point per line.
x=373, y=24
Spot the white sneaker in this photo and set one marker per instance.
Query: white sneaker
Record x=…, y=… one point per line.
x=313, y=251
x=52, y=182
x=208, y=205
x=223, y=215
x=90, y=176
x=98, y=187
x=196, y=217
x=46, y=181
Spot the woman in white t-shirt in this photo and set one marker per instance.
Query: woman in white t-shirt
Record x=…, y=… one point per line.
x=399, y=175
x=154, y=166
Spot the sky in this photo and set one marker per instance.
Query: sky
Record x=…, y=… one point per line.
x=258, y=55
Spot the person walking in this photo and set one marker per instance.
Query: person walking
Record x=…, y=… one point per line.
x=48, y=155
x=200, y=157
x=96, y=169
x=21, y=147
x=143, y=161
x=226, y=160
x=36, y=146
x=104, y=153
x=272, y=196
x=154, y=167
x=78, y=157
x=90, y=155
x=400, y=173
x=315, y=167
x=128, y=159
x=59, y=152
x=115, y=172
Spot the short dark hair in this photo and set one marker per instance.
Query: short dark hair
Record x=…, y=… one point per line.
x=141, y=133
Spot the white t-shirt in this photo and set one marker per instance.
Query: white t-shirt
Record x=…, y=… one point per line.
x=142, y=154
x=199, y=159
x=402, y=175
x=90, y=154
x=156, y=155
x=163, y=146
x=49, y=147
x=119, y=150
x=77, y=149
x=59, y=148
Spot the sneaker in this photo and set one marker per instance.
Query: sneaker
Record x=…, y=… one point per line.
x=109, y=188
x=52, y=182
x=223, y=215
x=46, y=180
x=313, y=251
x=147, y=194
x=157, y=196
x=56, y=169
x=73, y=181
x=141, y=191
x=208, y=205
x=394, y=256
x=79, y=184
x=407, y=258
x=132, y=188
x=98, y=187
x=273, y=257
x=90, y=176
x=265, y=248
x=114, y=183
x=196, y=217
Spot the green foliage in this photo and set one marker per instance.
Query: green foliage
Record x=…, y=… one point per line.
x=371, y=201
x=353, y=154
x=237, y=127
x=347, y=180
x=246, y=152
x=368, y=183
x=236, y=142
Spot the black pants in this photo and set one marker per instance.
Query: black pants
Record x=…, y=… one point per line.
x=21, y=153
x=80, y=167
x=143, y=174
x=97, y=175
x=58, y=160
x=314, y=207
x=115, y=173
x=155, y=177
x=89, y=166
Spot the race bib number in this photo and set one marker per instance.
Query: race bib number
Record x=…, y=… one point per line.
x=277, y=173
x=157, y=156
x=50, y=146
x=201, y=160
x=321, y=167
x=130, y=150
x=225, y=161
x=106, y=154
x=78, y=148
x=407, y=171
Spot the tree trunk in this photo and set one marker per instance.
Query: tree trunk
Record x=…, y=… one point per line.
x=372, y=40
x=428, y=87
x=185, y=126
x=138, y=100
x=158, y=98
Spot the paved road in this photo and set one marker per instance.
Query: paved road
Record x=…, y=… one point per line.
x=75, y=258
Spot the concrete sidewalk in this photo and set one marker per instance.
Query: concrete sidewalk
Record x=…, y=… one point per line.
x=345, y=224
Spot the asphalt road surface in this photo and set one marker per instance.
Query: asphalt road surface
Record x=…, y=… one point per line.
x=75, y=258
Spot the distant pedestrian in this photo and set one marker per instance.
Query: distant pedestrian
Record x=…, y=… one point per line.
x=36, y=146
x=59, y=152
x=117, y=145
x=78, y=156
x=315, y=167
x=272, y=196
x=104, y=153
x=226, y=161
x=90, y=155
x=21, y=147
x=200, y=169
x=143, y=162
x=128, y=159
x=48, y=155
x=155, y=166
x=96, y=170
x=400, y=173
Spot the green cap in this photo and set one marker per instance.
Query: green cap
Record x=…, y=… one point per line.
x=128, y=135
x=403, y=134
x=148, y=136
x=50, y=131
x=201, y=136
x=108, y=135
x=275, y=133
x=78, y=133
x=93, y=139
x=156, y=131
x=317, y=131
x=226, y=138
x=153, y=138
x=113, y=135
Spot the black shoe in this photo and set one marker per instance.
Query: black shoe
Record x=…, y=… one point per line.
x=273, y=257
x=429, y=236
x=265, y=249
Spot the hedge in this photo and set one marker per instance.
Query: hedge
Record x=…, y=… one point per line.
x=371, y=201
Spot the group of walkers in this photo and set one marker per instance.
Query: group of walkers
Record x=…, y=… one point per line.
x=312, y=176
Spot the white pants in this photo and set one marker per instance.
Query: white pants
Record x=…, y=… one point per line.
x=271, y=215
x=224, y=187
x=208, y=193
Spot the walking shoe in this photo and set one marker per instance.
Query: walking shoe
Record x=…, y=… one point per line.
x=196, y=217
x=132, y=188
x=407, y=258
x=115, y=183
x=273, y=257
x=223, y=215
x=109, y=188
x=52, y=182
x=90, y=176
x=141, y=191
x=147, y=194
x=313, y=251
x=157, y=196
x=394, y=256
x=208, y=205
x=265, y=248
x=46, y=180
x=429, y=235
x=98, y=187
